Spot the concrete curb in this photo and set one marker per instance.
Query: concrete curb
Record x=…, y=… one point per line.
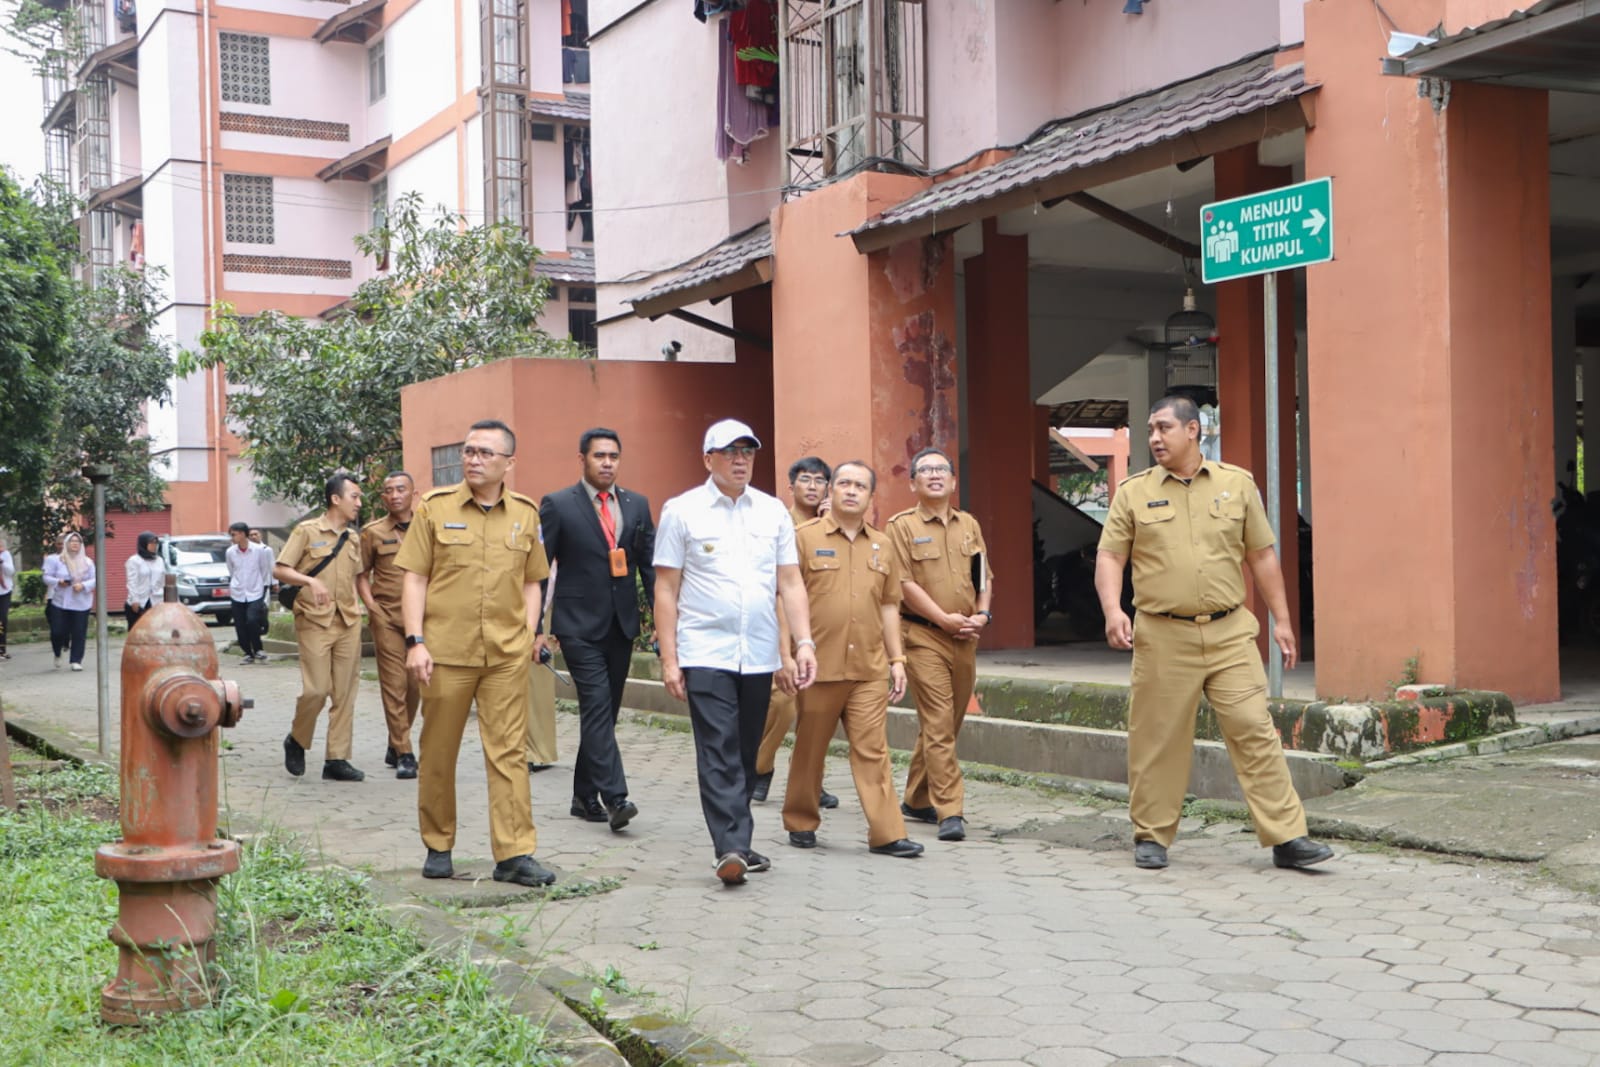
x=1523, y=737
x=556, y=998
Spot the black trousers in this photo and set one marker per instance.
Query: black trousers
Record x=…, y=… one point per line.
x=728, y=711
x=247, y=626
x=5, y=618
x=599, y=671
x=69, y=630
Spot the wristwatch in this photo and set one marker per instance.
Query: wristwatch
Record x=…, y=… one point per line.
x=986, y=613
x=413, y=640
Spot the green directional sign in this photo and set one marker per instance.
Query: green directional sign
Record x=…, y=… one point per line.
x=1264, y=232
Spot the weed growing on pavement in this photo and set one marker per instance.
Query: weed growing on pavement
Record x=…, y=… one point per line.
x=577, y=889
x=309, y=970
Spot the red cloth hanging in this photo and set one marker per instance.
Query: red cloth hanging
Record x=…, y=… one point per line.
x=756, y=26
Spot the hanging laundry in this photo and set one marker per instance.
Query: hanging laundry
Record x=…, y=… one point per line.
x=741, y=120
x=755, y=27
x=704, y=9
x=136, y=246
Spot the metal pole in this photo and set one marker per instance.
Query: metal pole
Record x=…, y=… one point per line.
x=1269, y=286
x=102, y=654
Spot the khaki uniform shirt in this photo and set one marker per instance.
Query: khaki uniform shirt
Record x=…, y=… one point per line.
x=311, y=543
x=848, y=582
x=1187, y=542
x=797, y=513
x=476, y=563
x=939, y=556
x=380, y=544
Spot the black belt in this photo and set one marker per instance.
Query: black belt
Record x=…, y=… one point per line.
x=919, y=620
x=1209, y=617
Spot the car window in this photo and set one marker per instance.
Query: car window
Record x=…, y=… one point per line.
x=190, y=552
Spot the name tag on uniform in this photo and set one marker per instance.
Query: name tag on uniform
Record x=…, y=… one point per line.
x=392, y=541
x=318, y=544
x=826, y=552
x=1157, y=503
x=923, y=541
x=455, y=526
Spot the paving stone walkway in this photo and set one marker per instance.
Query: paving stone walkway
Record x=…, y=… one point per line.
x=1033, y=942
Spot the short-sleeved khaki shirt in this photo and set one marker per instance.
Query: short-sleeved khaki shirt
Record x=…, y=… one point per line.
x=1187, y=542
x=312, y=542
x=938, y=555
x=797, y=513
x=380, y=544
x=476, y=563
x=847, y=583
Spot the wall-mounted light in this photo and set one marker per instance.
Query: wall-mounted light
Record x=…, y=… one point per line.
x=1133, y=7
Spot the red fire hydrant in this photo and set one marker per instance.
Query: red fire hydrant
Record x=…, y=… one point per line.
x=169, y=859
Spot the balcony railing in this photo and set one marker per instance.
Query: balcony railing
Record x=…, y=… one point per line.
x=93, y=142
x=88, y=29
x=853, y=86
x=53, y=77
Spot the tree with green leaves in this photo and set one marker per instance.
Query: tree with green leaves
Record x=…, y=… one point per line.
x=314, y=397
x=35, y=302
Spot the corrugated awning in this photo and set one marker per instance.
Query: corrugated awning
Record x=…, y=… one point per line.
x=355, y=26
x=119, y=61
x=1240, y=105
x=1551, y=45
x=569, y=270
x=573, y=107
x=126, y=197
x=362, y=165
x=743, y=261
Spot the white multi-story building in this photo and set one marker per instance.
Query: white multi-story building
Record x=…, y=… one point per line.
x=242, y=147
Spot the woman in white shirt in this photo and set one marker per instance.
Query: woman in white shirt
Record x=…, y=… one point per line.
x=145, y=573
x=8, y=581
x=70, y=578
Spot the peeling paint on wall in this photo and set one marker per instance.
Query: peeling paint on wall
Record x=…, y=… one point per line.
x=929, y=361
x=912, y=267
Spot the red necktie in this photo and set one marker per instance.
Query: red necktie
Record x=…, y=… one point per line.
x=607, y=524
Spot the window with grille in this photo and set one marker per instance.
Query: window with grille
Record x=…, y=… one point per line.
x=447, y=465
x=92, y=140
x=247, y=209
x=380, y=203
x=99, y=245
x=506, y=151
x=505, y=31
x=246, y=68
x=377, y=76
x=581, y=328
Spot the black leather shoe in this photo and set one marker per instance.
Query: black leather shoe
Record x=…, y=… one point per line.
x=590, y=810
x=535, y=768
x=338, y=770
x=622, y=814
x=762, y=787
x=407, y=766
x=1150, y=855
x=803, y=838
x=523, y=870
x=390, y=757
x=1301, y=852
x=827, y=800
x=294, y=757
x=903, y=849
x=953, y=828
x=919, y=814
x=755, y=862
x=438, y=865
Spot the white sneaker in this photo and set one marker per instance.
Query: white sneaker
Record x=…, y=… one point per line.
x=77, y=666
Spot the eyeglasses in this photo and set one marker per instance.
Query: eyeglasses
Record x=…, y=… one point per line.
x=812, y=480
x=474, y=452
x=736, y=451
x=934, y=468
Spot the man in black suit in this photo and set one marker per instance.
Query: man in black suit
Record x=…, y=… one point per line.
x=599, y=537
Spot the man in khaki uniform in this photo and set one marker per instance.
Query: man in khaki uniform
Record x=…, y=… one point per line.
x=853, y=583
x=1188, y=525
x=541, y=737
x=471, y=601
x=379, y=585
x=327, y=625
x=809, y=477
x=947, y=583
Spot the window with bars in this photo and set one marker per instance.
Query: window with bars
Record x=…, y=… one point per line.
x=380, y=203
x=92, y=142
x=246, y=68
x=447, y=465
x=506, y=151
x=247, y=209
x=88, y=31
x=58, y=155
x=582, y=329
x=505, y=33
x=99, y=245
x=377, y=73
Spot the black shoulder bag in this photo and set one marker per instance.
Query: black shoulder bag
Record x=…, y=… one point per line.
x=287, y=592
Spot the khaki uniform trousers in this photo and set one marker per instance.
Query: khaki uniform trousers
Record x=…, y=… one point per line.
x=864, y=709
x=330, y=667
x=400, y=692
x=941, y=673
x=780, y=718
x=501, y=692
x=540, y=742
x=1174, y=662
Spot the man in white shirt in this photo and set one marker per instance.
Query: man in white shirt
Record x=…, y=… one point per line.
x=145, y=573
x=249, y=574
x=8, y=580
x=724, y=555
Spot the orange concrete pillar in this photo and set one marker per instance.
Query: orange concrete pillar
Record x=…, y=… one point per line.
x=1242, y=374
x=1041, y=446
x=864, y=346
x=1000, y=429
x=1429, y=370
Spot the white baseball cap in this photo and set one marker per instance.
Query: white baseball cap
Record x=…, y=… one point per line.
x=724, y=433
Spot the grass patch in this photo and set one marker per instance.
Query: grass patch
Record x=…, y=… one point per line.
x=310, y=969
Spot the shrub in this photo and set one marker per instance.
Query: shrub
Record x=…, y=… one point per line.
x=30, y=587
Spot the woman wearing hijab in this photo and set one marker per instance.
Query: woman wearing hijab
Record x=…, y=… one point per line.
x=70, y=578
x=146, y=573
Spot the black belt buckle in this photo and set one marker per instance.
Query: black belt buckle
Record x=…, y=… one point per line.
x=1202, y=619
x=918, y=619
